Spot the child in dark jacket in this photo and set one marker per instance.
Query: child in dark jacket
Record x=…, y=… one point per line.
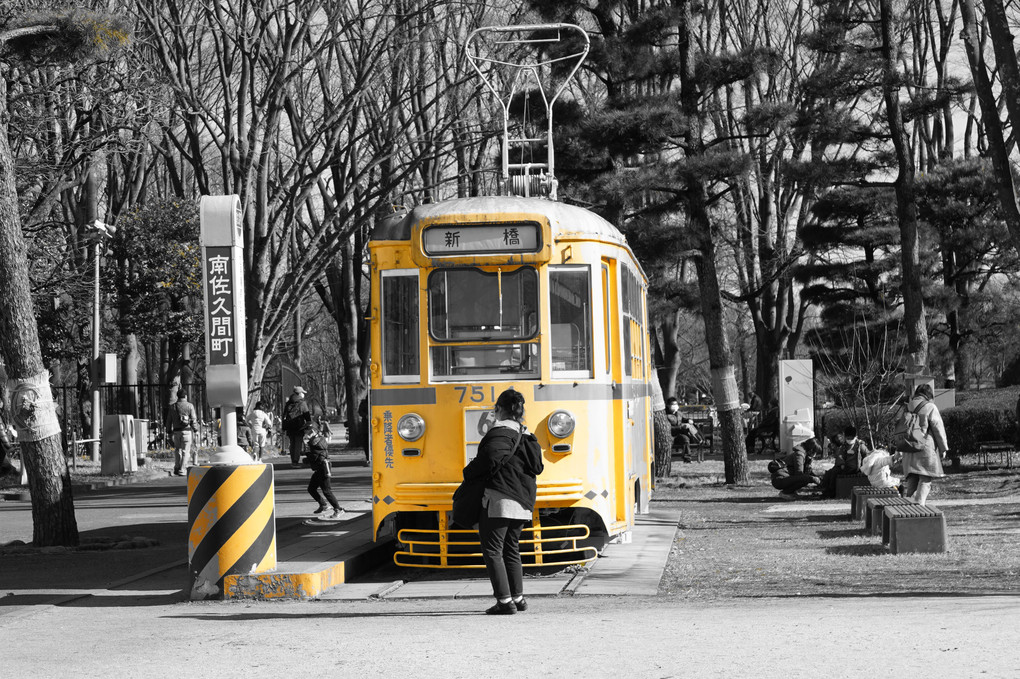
x=318, y=458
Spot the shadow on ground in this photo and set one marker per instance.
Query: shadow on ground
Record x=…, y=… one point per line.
x=88, y=570
x=841, y=534
x=857, y=550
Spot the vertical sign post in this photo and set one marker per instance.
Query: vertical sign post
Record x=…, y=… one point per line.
x=231, y=509
x=796, y=401
x=223, y=281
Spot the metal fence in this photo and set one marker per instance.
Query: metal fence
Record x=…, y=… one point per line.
x=146, y=402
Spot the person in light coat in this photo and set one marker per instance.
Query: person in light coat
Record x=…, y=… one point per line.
x=261, y=423
x=921, y=467
x=878, y=466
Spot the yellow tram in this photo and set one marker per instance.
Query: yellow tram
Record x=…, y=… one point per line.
x=473, y=296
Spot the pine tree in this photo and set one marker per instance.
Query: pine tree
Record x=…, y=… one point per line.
x=55, y=37
x=642, y=156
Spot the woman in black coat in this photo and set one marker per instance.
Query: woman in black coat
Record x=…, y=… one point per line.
x=509, y=498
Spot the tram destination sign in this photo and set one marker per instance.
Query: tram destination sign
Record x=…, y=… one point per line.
x=455, y=239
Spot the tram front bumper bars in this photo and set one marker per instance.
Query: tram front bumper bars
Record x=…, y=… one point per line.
x=457, y=548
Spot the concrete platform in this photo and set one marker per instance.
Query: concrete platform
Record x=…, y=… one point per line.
x=313, y=557
x=635, y=569
x=624, y=569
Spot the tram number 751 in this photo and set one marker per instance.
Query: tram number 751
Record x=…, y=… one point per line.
x=476, y=394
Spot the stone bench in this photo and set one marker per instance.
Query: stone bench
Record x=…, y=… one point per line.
x=909, y=529
x=874, y=508
x=845, y=483
x=860, y=494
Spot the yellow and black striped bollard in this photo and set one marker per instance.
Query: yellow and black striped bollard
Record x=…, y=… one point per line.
x=231, y=524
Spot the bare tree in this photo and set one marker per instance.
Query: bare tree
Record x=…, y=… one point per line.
x=293, y=106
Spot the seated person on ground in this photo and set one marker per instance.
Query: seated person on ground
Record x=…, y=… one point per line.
x=793, y=472
x=848, y=460
x=877, y=466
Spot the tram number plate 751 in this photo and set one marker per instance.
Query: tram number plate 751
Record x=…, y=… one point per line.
x=476, y=394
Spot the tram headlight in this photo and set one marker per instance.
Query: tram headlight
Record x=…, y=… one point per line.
x=411, y=427
x=561, y=423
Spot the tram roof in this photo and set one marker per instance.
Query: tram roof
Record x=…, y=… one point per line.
x=564, y=220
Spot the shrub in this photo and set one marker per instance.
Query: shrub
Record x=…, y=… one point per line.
x=988, y=415
x=873, y=424
x=966, y=427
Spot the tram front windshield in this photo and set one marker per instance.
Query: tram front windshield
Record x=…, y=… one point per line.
x=470, y=309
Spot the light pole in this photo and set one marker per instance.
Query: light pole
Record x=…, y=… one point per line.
x=101, y=231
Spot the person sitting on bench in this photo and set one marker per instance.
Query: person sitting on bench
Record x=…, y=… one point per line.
x=848, y=460
x=682, y=430
x=877, y=466
x=686, y=434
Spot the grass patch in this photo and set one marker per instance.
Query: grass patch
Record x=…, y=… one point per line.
x=728, y=545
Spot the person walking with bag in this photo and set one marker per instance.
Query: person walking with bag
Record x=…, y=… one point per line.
x=318, y=458
x=509, y=460
x=922, y=466
x=182, y=423
x=296, y=416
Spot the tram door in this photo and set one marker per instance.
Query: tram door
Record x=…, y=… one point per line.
x=616, y=356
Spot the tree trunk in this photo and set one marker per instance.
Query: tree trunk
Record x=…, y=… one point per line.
x=671, y=352
x=663, y=444
x=348, y=310
x=724, y=385
x=906, y=206
x=1004, y=46
x=129, y=372
x=767, y=372
x=1005, y=188
x=53, y=520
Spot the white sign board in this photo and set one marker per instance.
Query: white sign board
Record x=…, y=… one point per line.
x=796, y=402
x=223, y=283
x=455, y=239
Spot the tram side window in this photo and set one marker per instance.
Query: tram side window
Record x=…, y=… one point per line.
x=400, y=326
x=632, y=326
x=570, y=321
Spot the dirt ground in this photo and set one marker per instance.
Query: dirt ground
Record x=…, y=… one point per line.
x=755, y=587
x=135, y=635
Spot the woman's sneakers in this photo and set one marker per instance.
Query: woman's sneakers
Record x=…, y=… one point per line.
x=500, y=608
x=509, y=607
